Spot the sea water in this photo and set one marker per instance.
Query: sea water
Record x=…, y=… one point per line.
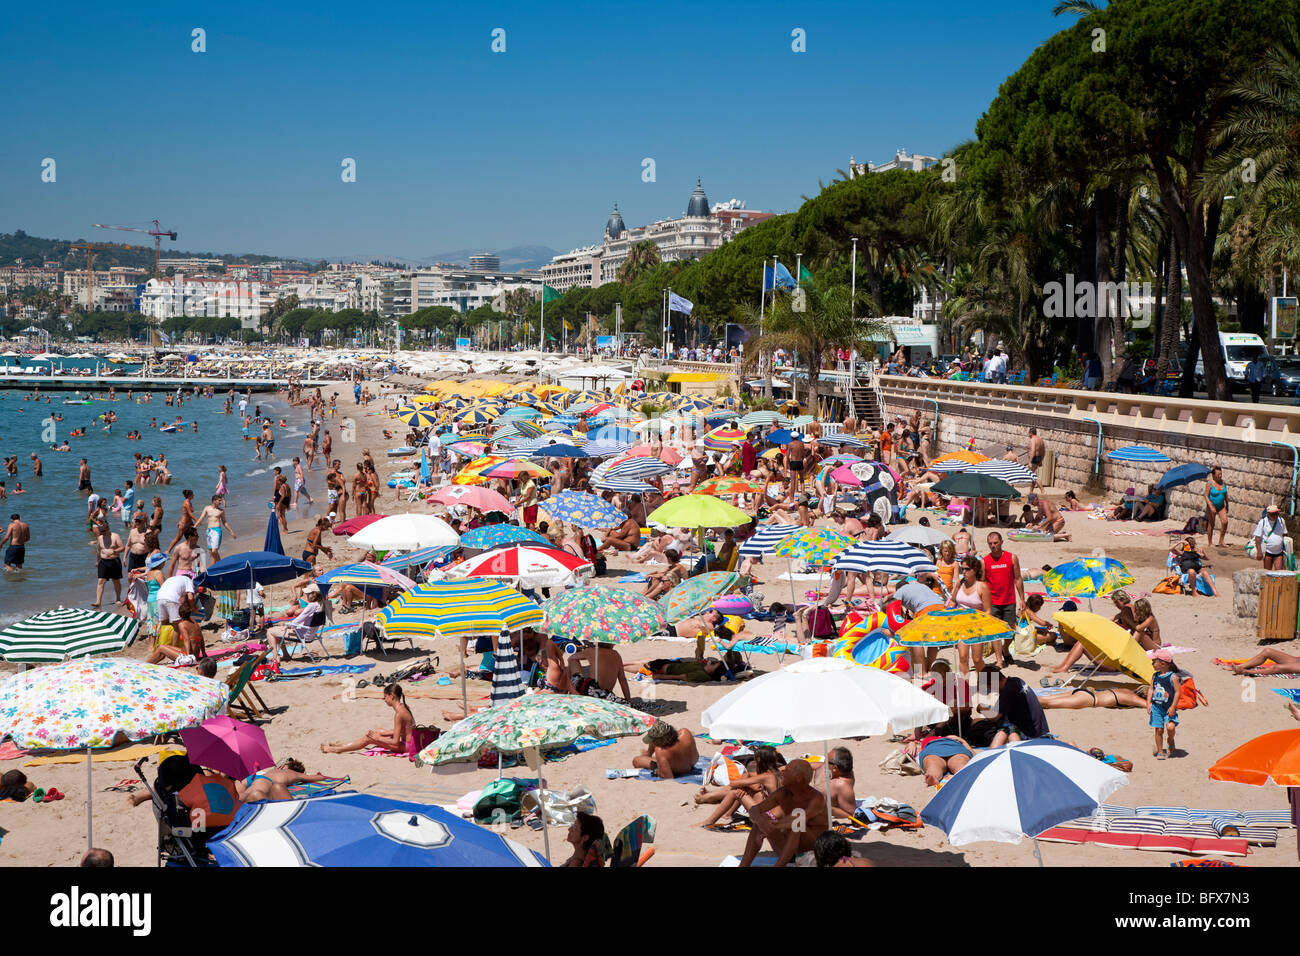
x=60, y=564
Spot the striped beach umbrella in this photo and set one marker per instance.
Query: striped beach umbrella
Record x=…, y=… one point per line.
x=721, y=439
x=514, y=468
x=476, y=415
x=766, y=538
x=627, y=486
x=890, y=557
x=366, y=574
x=957, y=461
x=605, y=448
x=528, y=429
x=458, y=609
x=1138, y=454
x=506, y=684
x=846, y=441
x=759, y=418
x=1012, y=472
x=418, y=558
x=633, y=466
x=417, y=417
x=66, y=632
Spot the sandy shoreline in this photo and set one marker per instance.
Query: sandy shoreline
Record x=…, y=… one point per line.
x=311, y=712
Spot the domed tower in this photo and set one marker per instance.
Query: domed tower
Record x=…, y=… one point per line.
x=615, y=228
x=699, y=203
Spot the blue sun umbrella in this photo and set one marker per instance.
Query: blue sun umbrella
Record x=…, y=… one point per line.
x=1182, y=475
x=1139, y=454
x=272, y=544
x=491, y=536
x=582, y=509
x=361, y=829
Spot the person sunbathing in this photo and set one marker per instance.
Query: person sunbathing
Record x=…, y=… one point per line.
x=595, y=671
x=393, y=740
x=273, y=784
x=790, y=820
x=748, y=789
x=659, y=583
x=687, y=671
x=832, y=850
x=626, y=537
x=669, y=752
x=1085, y=698
x=844, y=803
x=1267, y=662
x=939, y=756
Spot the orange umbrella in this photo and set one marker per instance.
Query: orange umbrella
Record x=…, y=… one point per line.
x=1274, y=756
x=724, y=485
x=965, y=457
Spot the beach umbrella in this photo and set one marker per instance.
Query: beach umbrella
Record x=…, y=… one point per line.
x=844, y=441
x=559, y=450
x=970, y=485
x=249, y=569
x=514, y=469
x=1019, y=790
x=417, y=417
x=816, y=547
x=605, y=448
x=699, y=511
x=844, y=475
x=366, y=574
x=1138, y=454
x=480, y=499
x=1012, y=472
x=1274, y=756
x=766, y=538
x=582, y=509
x=779, y=436
x=957, y=461
x=759, y=418
x=529, y=429
x=506, y=683
x=361, y=829
x=532, y=723
x=822, y=698
x=628, y=486
x=521, y=411
x=667, y=454
x=66, y=632
x=924, y=535
x=526, y=565
x=1086, y=578
x=841, y=459
x=724, y=485
x=944, y=627
x=468, y=449
x=613, y=433
x=1182, y=475
x=697, y=593
x=228, y=746
x=272, y=543
x=405, y=532
x=595, y=614
x=470, y=472
x=890, y=557
x=92, y=702
x=476, y=415
x=490, y=536
x=633, y=466
x=1106, y=642
x=721, y=439
x=353, y=525
x=458, y=609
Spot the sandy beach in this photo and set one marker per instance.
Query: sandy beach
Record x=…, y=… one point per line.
x=313, y=711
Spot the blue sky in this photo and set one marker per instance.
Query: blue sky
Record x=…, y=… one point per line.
x=239, y=148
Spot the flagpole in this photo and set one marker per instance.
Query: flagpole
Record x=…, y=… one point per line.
x=763, y=360
x=541, y=331
x=798, y=268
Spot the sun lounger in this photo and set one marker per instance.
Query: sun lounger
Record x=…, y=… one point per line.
x=1157, y=842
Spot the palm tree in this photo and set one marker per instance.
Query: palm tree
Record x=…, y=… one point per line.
x=642, y=257
x=1081, y=7
x=826, y=324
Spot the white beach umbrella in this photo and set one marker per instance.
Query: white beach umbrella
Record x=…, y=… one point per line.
x=405, y=533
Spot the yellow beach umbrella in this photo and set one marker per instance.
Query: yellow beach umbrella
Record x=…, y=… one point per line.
x=1106, y=641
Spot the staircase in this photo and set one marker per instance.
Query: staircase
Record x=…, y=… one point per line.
x=866, y=403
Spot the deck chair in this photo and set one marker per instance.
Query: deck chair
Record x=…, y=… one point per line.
x=243, y=696
x=371, y=633
x=303, y=637
x=634, y=844
x=177, y=845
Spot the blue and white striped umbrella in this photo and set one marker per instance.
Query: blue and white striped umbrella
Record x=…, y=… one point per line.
x=615, y=433
x=1012, y=472
x=559, y=450
x=420, y=558
x=628, y=486
x=891, y=557
x=1020, y=790
x=605, y=448
x=1140, y=454
x=361, y=829
x=640, y=466
x=766, y=538
x=847, y=441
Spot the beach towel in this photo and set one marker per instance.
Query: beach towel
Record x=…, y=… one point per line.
x=1204, y=863
x=125, y=755
x=1219, y=817
x=381, y=752
x=300, y=791
x=1144, y=824
x=766, y=645
x=634, y=577
x=696, y=776
x=579, y=746
x=11, y=751
x=325, y=669
x=1155, y=842
x=1288, y=693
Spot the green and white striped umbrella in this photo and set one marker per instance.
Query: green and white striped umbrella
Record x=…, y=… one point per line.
x=66, y=632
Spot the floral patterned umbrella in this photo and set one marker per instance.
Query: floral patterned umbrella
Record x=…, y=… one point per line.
x=1087, y=577
x=493, y=535
x=87, y=703
x=695, y=594
x=727, y=485
x=816, y=547
x=606, y=615
x=582, y=509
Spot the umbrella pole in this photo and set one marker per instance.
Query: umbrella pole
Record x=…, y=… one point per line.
x=90, y=818
x=789, y=567
x=1038, y=853
x=464, y=692
x=541, y=803
x=826, y=762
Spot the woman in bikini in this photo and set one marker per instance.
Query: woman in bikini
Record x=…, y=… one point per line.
x=1146, y=629
x=964, y=543
x=971, y=592
x=395, y=739
x=939, y=756
x=274, y=784
x=1216, y=506
x=1084, y=699
x=746, y=791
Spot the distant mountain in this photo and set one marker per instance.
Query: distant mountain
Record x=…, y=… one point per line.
x=512, y=259
x=34, y=250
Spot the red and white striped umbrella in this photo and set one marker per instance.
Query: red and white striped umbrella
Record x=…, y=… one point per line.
x=528, y=565
x=472, y=496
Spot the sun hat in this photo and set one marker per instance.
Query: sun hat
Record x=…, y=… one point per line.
x=661, y=734
x=1161, y=654
x=156, y=560
x=1273, y=508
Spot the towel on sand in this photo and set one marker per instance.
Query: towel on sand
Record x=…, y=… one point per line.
x=126, y=755
x=695, y=777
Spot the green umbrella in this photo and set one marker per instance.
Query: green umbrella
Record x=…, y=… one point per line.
x=603, y=615
x=695, y=594
x=969, y=484
x=699, y=511
x=66, y=632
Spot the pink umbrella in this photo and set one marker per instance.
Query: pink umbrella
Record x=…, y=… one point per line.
x=843, y=476
x=668, y=454
x=473, y=496
x=353, y=525
x=228, y=746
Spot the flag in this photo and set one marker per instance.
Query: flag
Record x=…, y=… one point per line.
x=783, y=278
x=804, y=274
x=677, y=304
x=166, y=339
x=568, y=325
x=549, y=294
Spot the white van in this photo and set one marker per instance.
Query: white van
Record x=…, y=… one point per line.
x=1239, y=349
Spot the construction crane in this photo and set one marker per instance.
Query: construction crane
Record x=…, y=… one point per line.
x=157, y=233
x=91, y=248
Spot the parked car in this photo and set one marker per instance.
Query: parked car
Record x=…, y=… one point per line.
x=1286, y=375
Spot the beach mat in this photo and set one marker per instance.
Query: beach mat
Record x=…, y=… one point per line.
x=649, y=776
x=126, y=755
x=325, y=669
x=435, y=692
x=300, y=791
x=1155, y=842
x=11, y=751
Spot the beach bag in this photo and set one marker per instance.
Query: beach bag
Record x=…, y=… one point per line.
x=1189, y=696
x=901, y=763
x=561, y=807
x=1023, y=643
x=352, y=643
x=820, y=623
x=499, y=802
x=420, y=738
x=1170, y=585
x=723, y=771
